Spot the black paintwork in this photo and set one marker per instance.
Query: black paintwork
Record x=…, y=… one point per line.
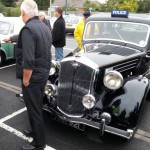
x=125, y=105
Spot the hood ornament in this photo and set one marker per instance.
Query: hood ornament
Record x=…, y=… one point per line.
x=75, y=65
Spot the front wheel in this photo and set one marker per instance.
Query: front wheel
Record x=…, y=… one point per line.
x=2, y=58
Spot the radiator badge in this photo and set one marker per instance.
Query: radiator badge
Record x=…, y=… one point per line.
x=75, y=65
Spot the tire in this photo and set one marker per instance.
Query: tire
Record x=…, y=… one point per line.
x=2, y=58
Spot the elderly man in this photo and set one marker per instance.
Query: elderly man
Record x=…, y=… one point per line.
x=42, y=16
x=33, y=59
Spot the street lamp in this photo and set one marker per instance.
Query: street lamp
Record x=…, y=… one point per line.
x=50, y=8
x=66, y=7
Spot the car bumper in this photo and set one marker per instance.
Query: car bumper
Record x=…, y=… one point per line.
x=70, y=30
x=119, y=132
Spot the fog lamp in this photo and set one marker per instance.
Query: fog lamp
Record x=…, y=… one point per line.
x=88, y=101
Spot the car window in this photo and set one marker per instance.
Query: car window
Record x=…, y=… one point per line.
x=4, y=28
x=127, y=32
x=73, y=20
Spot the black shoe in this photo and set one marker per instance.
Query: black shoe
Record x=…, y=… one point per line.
x=28, y=133
x=32, y=147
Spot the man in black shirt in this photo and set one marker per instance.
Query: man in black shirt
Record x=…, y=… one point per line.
x=33, y=59
x=59, y=34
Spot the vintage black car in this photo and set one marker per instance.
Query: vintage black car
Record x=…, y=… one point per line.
x=105, y=85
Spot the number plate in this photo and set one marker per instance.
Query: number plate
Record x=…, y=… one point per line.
x=69, y=26
x=71, y=124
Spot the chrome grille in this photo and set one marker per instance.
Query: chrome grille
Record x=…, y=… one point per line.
x=74, y=83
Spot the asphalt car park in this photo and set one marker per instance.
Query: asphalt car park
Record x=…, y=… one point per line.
x=13, y=120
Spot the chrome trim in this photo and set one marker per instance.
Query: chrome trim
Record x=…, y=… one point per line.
x=126, y=66
x=126, y=62
x=83, y=60
x=122, y=133
x=68, y=114
x=127, y=69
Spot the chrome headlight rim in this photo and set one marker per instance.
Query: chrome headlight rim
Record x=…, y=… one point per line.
x=50, y=90
x=53, y=67
x=88, y=101
x=114, y=74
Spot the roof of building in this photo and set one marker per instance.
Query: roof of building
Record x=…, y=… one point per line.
x=75, y=3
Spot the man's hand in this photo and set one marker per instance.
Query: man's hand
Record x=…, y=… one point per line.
x=26, y=83
x=26, y=77
x=6, y=40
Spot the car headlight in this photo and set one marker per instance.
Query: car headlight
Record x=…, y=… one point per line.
x=50, y=90
x=113, y=80
x=88, y=101
x=53, y=68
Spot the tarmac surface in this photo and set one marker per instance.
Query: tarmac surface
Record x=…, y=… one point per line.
x=14, y=119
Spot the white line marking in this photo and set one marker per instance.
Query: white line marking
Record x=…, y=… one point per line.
x=14, y=131
x=7, y=66
x=13, y=115
x=20, y=134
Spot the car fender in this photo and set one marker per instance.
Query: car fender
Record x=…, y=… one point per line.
x=125, y=105
x=131, y=101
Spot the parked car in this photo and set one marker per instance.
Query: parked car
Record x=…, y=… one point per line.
x=9, y=26
x=106, y=86
x=71, y=22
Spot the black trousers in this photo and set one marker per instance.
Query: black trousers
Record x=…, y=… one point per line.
x=33, y=97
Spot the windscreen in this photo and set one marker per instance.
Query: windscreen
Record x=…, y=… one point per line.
x=4, y=28
x=127, y=32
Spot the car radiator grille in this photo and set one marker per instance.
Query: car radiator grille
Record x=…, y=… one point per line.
x=74, y=83
x=125, y=66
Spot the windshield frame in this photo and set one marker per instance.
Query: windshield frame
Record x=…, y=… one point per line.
x=8, y=28
x=117, y=40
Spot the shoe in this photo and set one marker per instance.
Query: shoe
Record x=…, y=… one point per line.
x=32, y=147
x=28, y=133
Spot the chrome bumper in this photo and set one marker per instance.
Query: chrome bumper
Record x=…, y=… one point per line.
x=122, y=133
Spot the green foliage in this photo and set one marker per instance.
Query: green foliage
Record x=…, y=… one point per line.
x=94, y=5
x=130, y=5
x=2, y=9
x=43, y=4
x=144, y=6
x=8, y=3
x=13, y=12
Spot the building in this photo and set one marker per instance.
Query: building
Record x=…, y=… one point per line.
x=78, y=4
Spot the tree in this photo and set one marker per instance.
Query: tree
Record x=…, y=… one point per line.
x=94, y=5
x=43, y=4
x=8, y=3
x=112, y=4
x=130, y=5
x=144, y=6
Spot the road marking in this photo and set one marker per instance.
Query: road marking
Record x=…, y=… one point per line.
x=7, y=66
x=10, y=87
x=13, y=115
x=20, y=134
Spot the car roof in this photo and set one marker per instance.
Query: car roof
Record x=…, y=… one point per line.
x=137, y=18
x=9, y=19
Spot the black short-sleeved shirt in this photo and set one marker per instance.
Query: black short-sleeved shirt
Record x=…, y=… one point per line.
x=28, y=46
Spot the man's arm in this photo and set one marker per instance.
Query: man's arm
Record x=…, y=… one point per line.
x=28, y=45
x=12, y=39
